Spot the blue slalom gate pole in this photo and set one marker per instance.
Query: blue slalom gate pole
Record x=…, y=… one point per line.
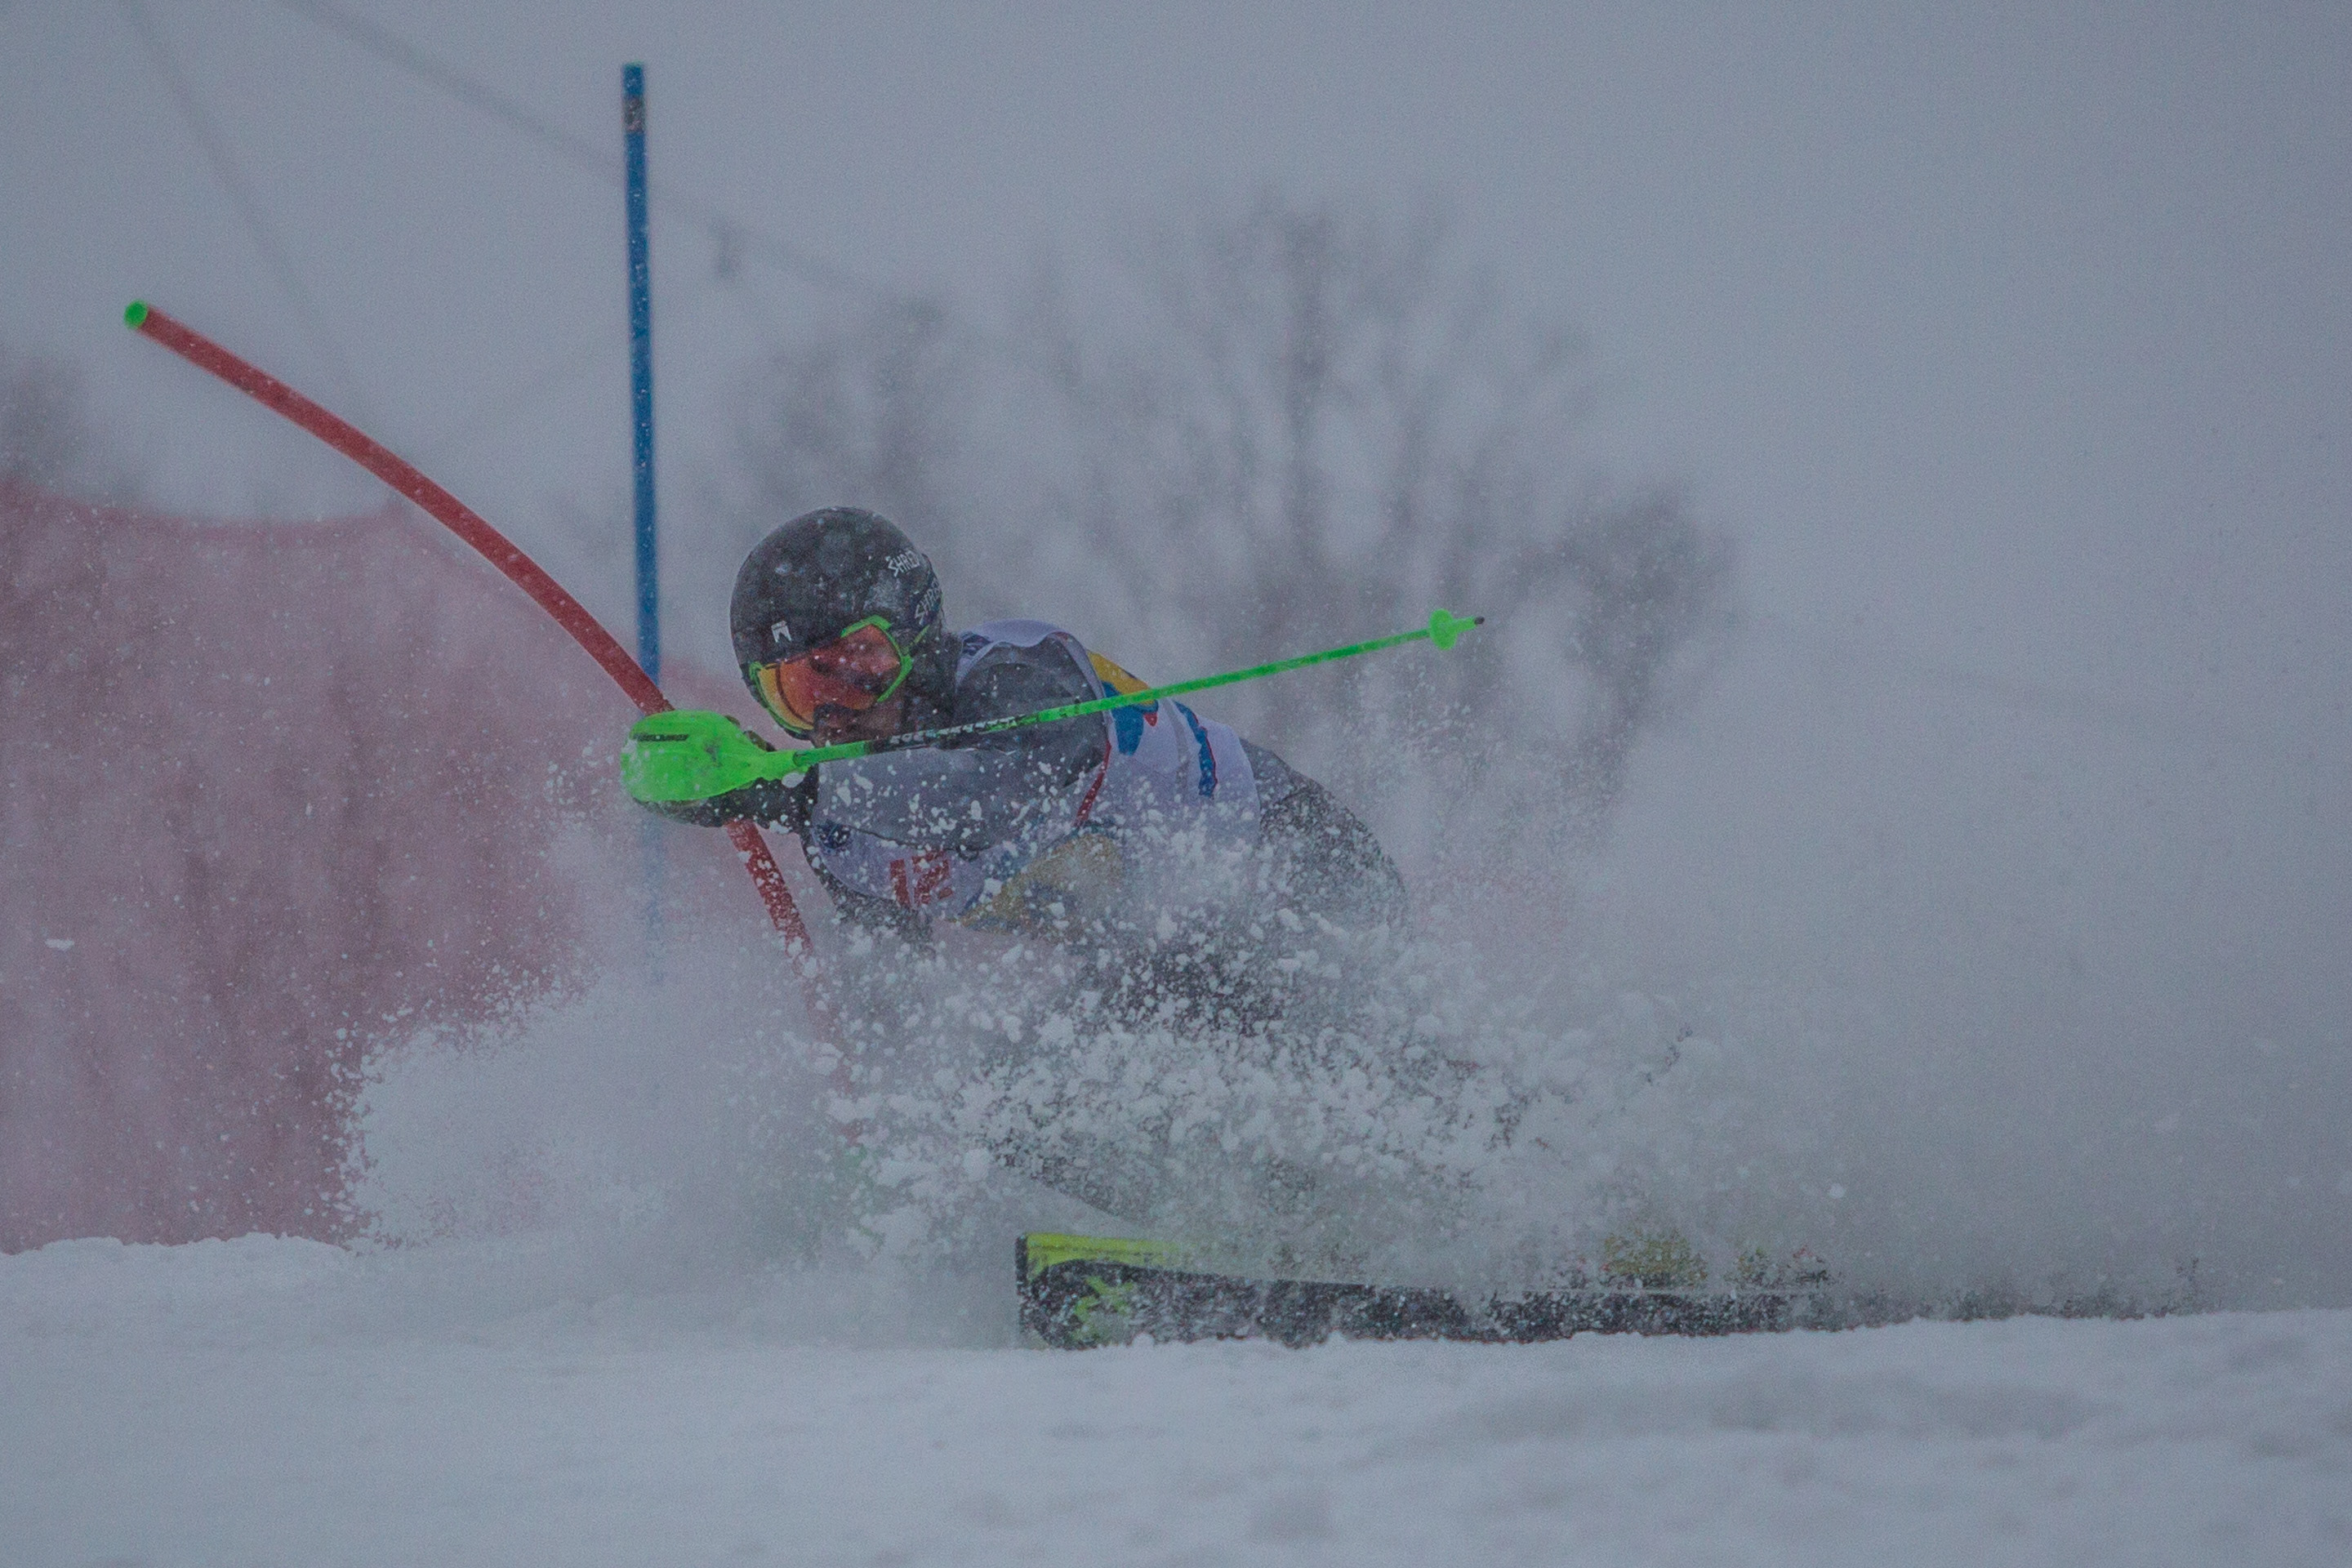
x=641, y=421
x=641, y=370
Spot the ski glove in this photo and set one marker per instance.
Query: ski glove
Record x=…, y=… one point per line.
x=695, y=772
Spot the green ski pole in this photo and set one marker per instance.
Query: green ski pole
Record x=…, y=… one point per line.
x=688, y=755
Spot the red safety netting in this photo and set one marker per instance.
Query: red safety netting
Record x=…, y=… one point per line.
x=267, y=793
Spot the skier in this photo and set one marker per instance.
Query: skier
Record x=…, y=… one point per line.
x=1148, y=836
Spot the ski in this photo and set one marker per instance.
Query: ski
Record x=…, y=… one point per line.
x=1078, y=1292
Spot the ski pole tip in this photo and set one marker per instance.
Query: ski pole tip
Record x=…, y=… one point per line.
x=1445, y=629
x=134, y=315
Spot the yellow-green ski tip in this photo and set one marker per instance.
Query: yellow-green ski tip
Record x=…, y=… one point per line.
x=134, y=315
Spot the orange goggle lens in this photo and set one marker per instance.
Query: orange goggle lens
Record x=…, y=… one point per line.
x=855, y=672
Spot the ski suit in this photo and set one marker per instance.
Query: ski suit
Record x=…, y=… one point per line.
x=1179, y=865
x=1088, y=828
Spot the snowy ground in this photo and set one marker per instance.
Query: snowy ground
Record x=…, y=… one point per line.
x=283, y=1402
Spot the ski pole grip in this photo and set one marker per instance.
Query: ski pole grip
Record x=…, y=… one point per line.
x=690, y=755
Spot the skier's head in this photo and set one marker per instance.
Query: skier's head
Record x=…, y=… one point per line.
x=837, y=629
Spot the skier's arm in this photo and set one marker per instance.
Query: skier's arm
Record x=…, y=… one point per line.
x=881, y=916
x=1327, y=860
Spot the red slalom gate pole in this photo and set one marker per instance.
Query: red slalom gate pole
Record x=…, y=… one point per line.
x=500, y=552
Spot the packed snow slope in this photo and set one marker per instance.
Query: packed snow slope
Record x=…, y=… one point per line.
x=270, y=1401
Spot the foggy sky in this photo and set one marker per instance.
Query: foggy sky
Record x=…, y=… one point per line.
x=2015, y=337
x=2011, y=343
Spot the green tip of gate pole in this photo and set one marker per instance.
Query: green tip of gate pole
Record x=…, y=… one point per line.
x=134, y=315
x=1444, y=629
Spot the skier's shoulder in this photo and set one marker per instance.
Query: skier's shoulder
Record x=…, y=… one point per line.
x=998, y=640
x=1019, y=665
x=1010, y=640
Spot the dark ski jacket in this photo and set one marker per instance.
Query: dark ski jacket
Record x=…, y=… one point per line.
x=994, y=789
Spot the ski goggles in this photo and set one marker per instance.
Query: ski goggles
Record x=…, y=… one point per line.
x=856, y=671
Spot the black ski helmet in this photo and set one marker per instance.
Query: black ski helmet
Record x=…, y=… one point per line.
x=824, y=572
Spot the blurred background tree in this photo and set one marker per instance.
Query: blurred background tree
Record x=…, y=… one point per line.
x=1284, y=426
